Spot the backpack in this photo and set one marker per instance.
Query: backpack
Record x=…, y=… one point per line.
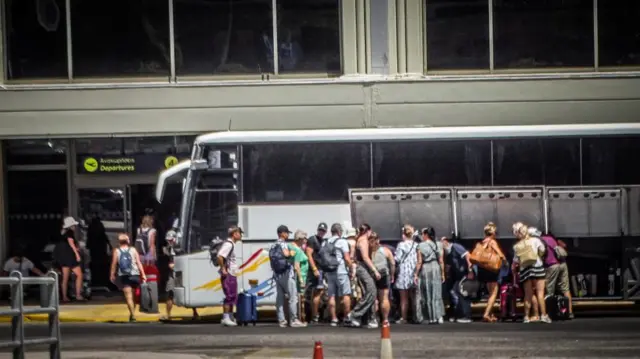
x=214, y=248
x=328, y=258
x=279, y=263
x=125, y=262
x=142, y=241
x=525, y=253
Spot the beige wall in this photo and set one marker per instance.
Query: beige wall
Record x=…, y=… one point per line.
x=99, y=112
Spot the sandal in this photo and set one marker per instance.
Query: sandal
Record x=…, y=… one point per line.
x=489, y=319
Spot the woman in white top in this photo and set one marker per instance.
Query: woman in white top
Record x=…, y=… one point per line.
x=528, y=252
x=407, y=275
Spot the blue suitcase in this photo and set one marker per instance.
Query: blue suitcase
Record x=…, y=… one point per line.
x=247, y=309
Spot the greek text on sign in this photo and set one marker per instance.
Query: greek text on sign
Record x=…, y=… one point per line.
x=121, y=164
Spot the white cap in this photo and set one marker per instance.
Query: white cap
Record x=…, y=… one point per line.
x=351, y=232
x=69, y=222
x=534, y=232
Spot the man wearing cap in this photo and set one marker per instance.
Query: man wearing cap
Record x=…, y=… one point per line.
x=228, y=272
x=285, y=282
x=315, y=277
x=339, y=282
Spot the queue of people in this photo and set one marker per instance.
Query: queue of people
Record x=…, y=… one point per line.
x=427, y=279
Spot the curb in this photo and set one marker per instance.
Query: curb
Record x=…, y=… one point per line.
x=117, y=313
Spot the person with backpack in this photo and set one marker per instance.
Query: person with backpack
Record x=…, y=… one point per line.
x=528, y=252
x=456, y=258
x=315, y=279
x=556, y=270
x=127, y=271
x=280, y=258
x=146, y=240
x=335, y=262
x=225, y=259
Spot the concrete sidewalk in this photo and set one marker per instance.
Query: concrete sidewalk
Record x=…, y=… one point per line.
x=110, y=355
x=110, y=312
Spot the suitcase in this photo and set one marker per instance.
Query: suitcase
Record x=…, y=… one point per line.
x=557, y=307
x=247, y=309
x=149, y=297
x=507, y=302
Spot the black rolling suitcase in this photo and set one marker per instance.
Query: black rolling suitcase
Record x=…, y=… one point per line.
x=557, y=307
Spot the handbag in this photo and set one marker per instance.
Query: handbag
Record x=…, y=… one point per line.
x=486, y=258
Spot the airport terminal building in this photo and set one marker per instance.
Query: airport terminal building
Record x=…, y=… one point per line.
x=97, y=97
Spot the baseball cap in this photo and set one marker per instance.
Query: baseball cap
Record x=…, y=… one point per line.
x=351, y=232
x=282, y=229
x=322, y=226
x=234, y=229
x=300, y=234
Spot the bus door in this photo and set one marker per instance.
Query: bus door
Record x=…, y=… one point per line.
x=215, y=207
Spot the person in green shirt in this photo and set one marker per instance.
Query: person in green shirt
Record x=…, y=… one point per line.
x=299, y=260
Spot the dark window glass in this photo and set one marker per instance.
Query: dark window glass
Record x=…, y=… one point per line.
x=309, y=36
x=222, y=36
x=120, y=38
x=158, y=145
x=432, y=163
x=36, y=152
x=304, y=172
x=37, y=202
x=100, y=146
x=619, y=32
x=36, y=39
x=553, y=161
x=610, y=160
x=544, y=33
x=457, y=35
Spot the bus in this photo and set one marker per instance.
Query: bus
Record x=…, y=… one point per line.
x=216, y=185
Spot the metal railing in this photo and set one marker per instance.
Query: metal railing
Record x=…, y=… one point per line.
x=49, y=304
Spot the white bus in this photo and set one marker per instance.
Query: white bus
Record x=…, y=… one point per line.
x=215, y=187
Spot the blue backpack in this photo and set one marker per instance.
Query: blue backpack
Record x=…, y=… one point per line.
x=279, y=263
x=125, y=262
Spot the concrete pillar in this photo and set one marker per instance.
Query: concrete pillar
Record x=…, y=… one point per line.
x=378, y=37
x=2, y=42
x=4, y=218
x=415, y=39
x=349, y=37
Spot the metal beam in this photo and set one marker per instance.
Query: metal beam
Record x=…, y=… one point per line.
x=413, y=134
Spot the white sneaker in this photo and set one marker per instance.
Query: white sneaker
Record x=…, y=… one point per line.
x=441, y=320
x=354, y=323
x=372, y=324
x=334, y=322
x=545, y=319
x=227, y=322
x=283, y=324
x=463, y=320
x=298, y=324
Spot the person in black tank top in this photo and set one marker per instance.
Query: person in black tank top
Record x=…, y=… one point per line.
x=68, y=258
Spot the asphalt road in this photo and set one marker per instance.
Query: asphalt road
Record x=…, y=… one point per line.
x=603, y=337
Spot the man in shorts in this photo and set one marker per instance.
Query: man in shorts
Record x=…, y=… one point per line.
x=557, y=272
x=339, y=281
x=228, y=272
x=315, y=278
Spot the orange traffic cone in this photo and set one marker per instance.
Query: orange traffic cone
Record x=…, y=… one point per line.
x=385, y=342
x=317, y=351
